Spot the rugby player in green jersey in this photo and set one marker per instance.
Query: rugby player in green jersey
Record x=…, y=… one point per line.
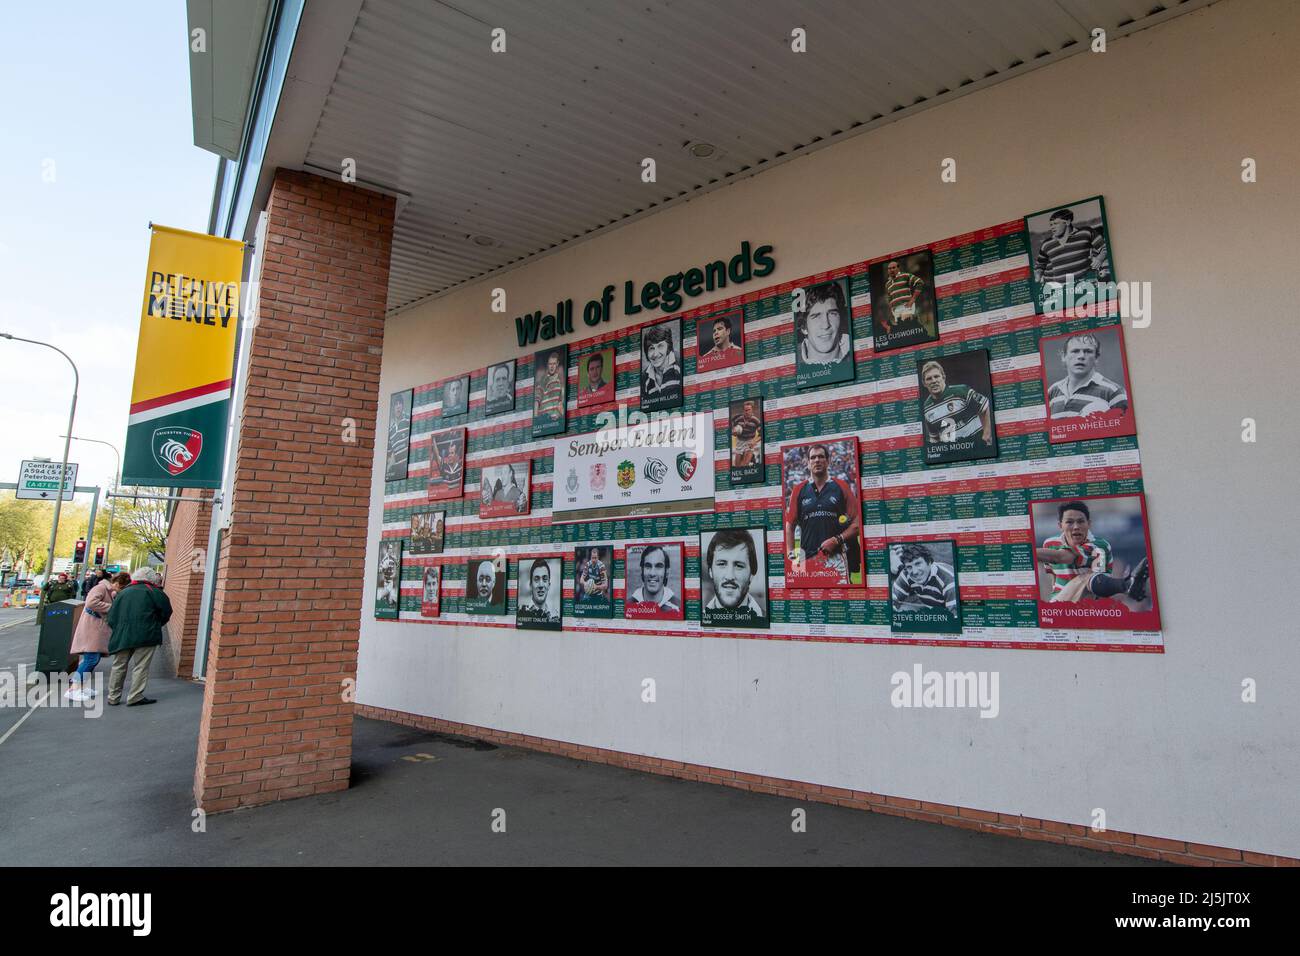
x=953, y=412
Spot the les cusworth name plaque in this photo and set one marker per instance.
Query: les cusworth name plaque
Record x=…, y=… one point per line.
x=636, y=466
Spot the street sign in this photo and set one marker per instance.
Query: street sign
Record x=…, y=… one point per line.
x=39, y=480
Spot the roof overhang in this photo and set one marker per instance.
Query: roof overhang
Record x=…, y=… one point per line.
x=226, y=44
x=498, y=159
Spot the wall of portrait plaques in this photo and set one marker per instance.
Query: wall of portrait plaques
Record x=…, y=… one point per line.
x=932, y=447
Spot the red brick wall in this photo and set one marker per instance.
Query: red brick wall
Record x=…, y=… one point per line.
x=987, y=821
x=286, y=618
x=187, y=534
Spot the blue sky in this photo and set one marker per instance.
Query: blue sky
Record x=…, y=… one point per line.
x=102, y=91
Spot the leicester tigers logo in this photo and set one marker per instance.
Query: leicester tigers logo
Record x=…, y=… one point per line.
x=176, y=449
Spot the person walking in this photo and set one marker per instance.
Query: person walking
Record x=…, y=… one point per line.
x=136, y=618
x=92, y=635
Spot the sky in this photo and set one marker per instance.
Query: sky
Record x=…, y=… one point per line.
x=96, y=97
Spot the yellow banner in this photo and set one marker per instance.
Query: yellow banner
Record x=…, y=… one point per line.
x=189, y=318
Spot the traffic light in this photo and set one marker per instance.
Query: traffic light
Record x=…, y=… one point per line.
x=79, y=555
x=99, y=556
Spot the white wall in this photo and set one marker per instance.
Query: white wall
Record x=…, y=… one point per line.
x=1158, y=125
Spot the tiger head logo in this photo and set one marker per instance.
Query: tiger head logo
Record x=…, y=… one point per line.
x=177, y=449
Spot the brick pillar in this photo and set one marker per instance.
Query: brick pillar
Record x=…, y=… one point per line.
x=186, y=535
x=287, y=613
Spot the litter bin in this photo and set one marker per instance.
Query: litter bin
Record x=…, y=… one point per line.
x=54, y=649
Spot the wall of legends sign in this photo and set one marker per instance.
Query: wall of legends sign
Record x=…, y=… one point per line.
x=932, y=447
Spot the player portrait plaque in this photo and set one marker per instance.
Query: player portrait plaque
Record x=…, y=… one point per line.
x=446, y=464
x=956, y=406
x=485, y=584
x=822, y=503
x=654, y=582
x=733, y=578
x=505, y=490
x=550, y=390
x=720, y=341
x=904, y=307
x=399, y=435
x=745, y=423
x=388, y=579
x=1093, y=561
x=593, y=581
x=596, y=378
x=923, y=592
x=540, y=594
x=431, y=592
x=500, y=388
x=1086, y=385
x=823, y=334
x=661, y=366
x=1069, y=253
x=455, y=396
x=427, y=531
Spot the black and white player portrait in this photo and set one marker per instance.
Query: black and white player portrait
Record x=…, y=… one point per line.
x=661, y=366
x=388, y=578
x=1069, y=251
x=500, y=388
x=823, y=334
x=1086, y=385
x=541, y=587
x=485, y=584
x=956, y=393
x=733, y=578
x=923, y=592
x=399, y=435
x=455, y=396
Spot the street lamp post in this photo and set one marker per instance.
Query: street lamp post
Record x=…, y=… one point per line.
x=63, y=473
x=112, y=507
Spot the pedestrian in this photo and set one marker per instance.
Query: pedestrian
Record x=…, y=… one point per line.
x=57, y=589
x=60, y=588
x=93, y=633
x=136, y=618
x=92, y=578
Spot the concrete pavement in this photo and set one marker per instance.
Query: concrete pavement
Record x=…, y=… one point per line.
x=116, y=790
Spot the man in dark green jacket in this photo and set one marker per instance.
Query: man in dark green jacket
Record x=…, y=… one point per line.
x=137, y=618
x=57, y=589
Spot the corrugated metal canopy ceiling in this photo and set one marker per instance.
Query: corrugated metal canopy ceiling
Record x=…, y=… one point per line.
x=542, y=145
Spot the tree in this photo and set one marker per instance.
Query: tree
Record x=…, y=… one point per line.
x=141, y=526
x=22, y=533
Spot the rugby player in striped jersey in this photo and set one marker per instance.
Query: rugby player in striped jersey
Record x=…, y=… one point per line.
x=923, y=583
x=1084, y=390
x=1080, y=562
x=953, y=412
x=1071, y=253
x=901, y=292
